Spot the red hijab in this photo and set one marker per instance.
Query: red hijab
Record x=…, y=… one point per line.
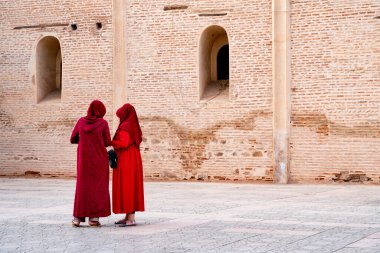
x=96, y=110
x=129, y=123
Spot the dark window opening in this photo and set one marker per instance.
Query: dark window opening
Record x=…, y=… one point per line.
x=223, y=63
x=74, y=27
x=98, y=25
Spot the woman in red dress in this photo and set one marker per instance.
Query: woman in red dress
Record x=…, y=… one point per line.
x=92, y=197
x=127, y=178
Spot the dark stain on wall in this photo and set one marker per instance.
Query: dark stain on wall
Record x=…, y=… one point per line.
x=344, y=176
x=31, y=173
x=351, y=176
x=319, y=123
x=192, y=143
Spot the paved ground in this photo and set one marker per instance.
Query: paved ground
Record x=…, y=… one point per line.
x=35, y=216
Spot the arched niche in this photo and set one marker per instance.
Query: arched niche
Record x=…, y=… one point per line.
x=213, y=62
x=48, y=69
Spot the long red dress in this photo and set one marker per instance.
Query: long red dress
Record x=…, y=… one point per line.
x=127, y=178
x=92, y=197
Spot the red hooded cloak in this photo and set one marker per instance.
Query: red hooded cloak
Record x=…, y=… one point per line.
x=127, y=178
x=93, y=136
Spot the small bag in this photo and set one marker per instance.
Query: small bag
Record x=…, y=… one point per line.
x=112, y=158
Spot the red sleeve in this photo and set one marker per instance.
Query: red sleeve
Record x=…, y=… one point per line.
x=74, y=139
x=122, y=142
x=106, y=136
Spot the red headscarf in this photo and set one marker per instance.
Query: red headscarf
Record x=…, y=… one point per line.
x=96, y=109
x=129, y=123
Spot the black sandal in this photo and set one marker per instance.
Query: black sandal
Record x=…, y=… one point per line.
x=121, y=222
x=128, y=223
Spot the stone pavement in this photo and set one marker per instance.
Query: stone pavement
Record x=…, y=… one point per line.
x=35, y=216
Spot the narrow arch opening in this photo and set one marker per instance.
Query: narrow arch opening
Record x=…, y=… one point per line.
x=214, y=64
x=48, y=69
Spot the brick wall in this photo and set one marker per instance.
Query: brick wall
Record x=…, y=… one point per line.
x=335, y=91
x=335, y=88
x=187, y=138
x=35, y=137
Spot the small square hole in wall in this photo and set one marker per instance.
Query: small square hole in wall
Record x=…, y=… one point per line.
x=74, y=27
x=99, y=25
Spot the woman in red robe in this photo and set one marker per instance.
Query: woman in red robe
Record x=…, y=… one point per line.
x=127, y=178
x=92, y=197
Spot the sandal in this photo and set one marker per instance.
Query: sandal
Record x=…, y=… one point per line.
x=121, y=222
x=128, y=223
x=94, y=222
x=76, y=222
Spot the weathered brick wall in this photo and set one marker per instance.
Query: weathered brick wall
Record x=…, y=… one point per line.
x=335, y=130
x=335, y=87
x=186, y=138
x=35, y=137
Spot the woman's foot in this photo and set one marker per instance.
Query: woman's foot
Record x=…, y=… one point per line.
x=94, y=222
x=121, y=222
x=128, y=223
x=76, y=222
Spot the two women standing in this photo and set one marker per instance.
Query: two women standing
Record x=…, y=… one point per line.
x=92, y=195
